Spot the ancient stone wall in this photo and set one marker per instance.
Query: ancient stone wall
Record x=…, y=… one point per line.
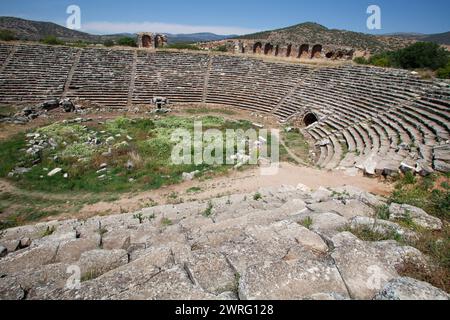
x=151, y=41
x=292, y=50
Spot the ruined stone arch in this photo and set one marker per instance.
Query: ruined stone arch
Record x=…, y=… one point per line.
x=257, y=48
x=268, y=49
x=289, y=50
x=339, y=54
x=303, y=50
x=277, y=50
x=329, y=54
x=316, y=51
x=146, y=41
x=310, y=118
x=159, y=41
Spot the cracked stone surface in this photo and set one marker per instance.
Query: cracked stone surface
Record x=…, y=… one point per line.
x=246, y=249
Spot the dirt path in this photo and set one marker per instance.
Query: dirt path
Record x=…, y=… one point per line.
x=234, y=183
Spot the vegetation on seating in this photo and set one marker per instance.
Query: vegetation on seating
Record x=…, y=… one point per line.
x=182, y=46
x=421, y=55
x=222, y=48
x=109, y=43
x=431, y=194
x=7, y=35
x=52, y=40
x=296, y=143
x=127, y=42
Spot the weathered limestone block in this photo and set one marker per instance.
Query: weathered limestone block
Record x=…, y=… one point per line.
x=33, y=283
x=367, y=267
x=328, y=223
x=411, y=289
x=211, y=271
x=418, y=216
x=382, y=227
x=71, y=251
x=348, y=210
x=27, y=259
x=291, y=281
x=116, y=239
x=97, y=262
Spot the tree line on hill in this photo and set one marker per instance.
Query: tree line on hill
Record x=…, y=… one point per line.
x=420, y=55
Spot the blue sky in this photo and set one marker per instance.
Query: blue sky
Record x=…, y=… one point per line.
x=235, y=16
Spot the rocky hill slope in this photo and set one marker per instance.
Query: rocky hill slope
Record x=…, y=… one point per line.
x=288, y=243
x=314, y=33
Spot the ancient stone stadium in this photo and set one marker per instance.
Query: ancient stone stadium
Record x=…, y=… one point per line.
x=334, y=225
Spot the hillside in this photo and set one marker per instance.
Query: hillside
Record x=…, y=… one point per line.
x=310, y=32
x=36, y=30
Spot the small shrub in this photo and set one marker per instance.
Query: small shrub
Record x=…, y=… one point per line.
x=7, y=35
x=139, y=217
x=209, y=210
x=108, y=43
x=361, y=60
x=126, y=42
x=257, y=196
x=444, y=72
x=52, y=40
x=183, y=46
x=222, y=48
x=382, y=212
x=49, y=231
x=166, y=222
x=307, y=223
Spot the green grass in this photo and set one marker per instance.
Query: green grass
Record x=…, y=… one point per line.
x=149, y=150
x=257, y=196
x=206, y=110
x=209, y=210
x=166, y=222
x=425, y=194
x=297, y=143
x=307, y=223
x=194, y=190
x=367, y=233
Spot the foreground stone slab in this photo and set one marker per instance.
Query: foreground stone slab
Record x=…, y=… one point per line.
x=411, y=289
x=291, y=281
x=367, y=267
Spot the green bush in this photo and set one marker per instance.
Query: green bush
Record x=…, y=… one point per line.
x=222, y=48
x=421, y=55
x=108, y=43
x=52, y=40
x=182, y=46
x=126, y=42
x=444, y=73
x=7, y=35
x=361, y=60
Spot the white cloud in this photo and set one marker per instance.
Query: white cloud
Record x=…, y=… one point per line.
x=113, y=27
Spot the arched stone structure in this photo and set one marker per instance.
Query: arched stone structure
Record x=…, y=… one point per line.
x=277, y=50
x=303, y=51
x=316, y=51
x=289, y=50
x=257, y=48
x=309, y=118
x=159, y=41
x=146, y=41
x=329, y=54
x=268, y=49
